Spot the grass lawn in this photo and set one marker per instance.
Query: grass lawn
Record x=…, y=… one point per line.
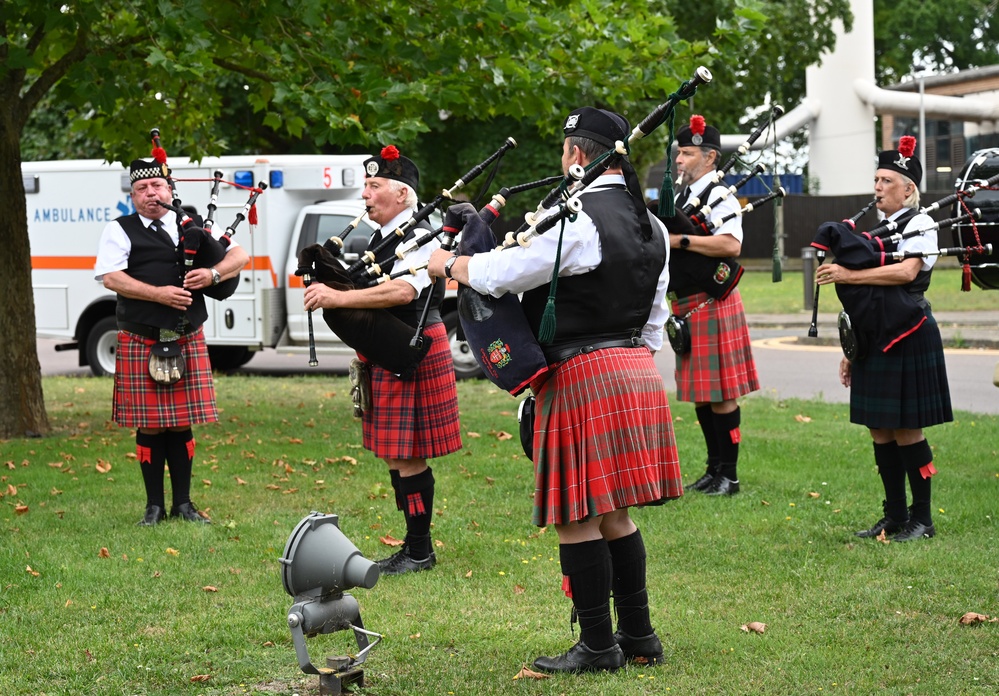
x=92, y=604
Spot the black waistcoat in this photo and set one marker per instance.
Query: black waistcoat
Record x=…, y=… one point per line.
x=411, y=313
x=613, y=300
x=154, y=259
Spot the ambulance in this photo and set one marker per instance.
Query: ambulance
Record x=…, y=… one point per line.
x=308, y=199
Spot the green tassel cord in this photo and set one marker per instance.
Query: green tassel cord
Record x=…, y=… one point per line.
x=546, y=332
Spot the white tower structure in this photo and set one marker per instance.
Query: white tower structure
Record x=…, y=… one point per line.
x=841, y=139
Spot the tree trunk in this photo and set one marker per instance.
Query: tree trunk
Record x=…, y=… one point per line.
x=22, y=404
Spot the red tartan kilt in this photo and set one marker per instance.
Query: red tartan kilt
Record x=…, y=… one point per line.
x=603, y=438
x=415, y=418
x=139, y=402
x=719, y=365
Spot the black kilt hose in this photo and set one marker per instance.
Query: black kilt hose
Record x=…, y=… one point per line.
x=139, y=402
x=905, y=387
x=415, y=418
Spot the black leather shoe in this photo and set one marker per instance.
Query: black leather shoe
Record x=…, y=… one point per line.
x=190, y=513
x=885, y=524
x=580, y=658
x=402, y=562
x=721, y=486
x=915, y=530
x=701, y=483
x=154, y=515
x=646, y=651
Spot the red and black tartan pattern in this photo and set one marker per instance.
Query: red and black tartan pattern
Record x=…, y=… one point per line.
x=415, y=418
x=139, y=402
x=719, y=365
x=414, y=505
x=603, y=438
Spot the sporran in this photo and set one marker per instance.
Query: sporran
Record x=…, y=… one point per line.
x=360, y=389
x=166, y=362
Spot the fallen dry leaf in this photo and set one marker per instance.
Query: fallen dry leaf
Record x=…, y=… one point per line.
x=34, y=573
x=240, y=481
x=104, y=553
x=883, y=538
x=210, y=588
x=414, y=636
x=754, y=626
x=517, y=589
x=468, y=574
x=813, y=494
x=391, y=541
x=471, y=434
x=295, y=440
x=11, y=489
x=207, y=482
x=102, y=466
x=525, y=673
x=173, y=552
x=20, y=509
x=200, y=678
x=503, y=435
x=973, y=618
x=802, y=419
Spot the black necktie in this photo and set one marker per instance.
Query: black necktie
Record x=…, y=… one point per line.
x=684, y=196
x=157, y=226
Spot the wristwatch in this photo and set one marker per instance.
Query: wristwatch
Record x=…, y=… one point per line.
x=447, y=266
x=216, y=277
x=684, y=241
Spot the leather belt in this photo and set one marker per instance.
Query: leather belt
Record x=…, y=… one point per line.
x=154, y=332
x=555, y=355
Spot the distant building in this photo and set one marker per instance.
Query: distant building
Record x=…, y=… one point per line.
x=948, y=143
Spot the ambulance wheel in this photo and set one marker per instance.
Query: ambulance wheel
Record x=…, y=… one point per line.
x=465, y=366
x=102, y=342
x=228, y=358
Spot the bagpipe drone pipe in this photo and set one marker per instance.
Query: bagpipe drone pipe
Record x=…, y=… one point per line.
x=200, y=248
x=876, y=317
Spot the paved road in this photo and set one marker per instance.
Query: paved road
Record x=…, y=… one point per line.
x=788, y=369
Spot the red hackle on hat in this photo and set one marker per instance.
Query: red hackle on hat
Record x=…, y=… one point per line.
x=390, y=152
x=906, y=145
x=697, y=124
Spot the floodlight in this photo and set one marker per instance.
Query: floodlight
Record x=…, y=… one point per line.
x=318, y=566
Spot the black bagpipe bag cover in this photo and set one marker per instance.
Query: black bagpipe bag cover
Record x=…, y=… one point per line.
x=495, y=327
x=881, y=314
x=379, y=336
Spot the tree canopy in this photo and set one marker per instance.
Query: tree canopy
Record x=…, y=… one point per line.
x=351, y=75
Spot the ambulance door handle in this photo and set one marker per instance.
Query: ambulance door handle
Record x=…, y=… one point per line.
x=230, y=319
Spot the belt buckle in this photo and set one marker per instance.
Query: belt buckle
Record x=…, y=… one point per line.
x=166, y=335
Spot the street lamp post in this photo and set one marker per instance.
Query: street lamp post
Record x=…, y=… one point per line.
x=922, y=132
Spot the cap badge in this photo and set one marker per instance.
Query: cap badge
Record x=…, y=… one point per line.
x=571, y=121
x=371, y=168
x=902, y=162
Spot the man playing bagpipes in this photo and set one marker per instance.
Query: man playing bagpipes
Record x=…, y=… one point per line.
x=415, y=418
x=895, y=371
x=603, y=438
x=163, y=378
x=718, y=367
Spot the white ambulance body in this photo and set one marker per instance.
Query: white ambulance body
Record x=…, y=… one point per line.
x=308, y=199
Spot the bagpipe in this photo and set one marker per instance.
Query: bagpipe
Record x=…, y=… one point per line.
x=201, y=249
x=876, y=317
x=496, y=328
x=377, y=334
x=691, y=272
